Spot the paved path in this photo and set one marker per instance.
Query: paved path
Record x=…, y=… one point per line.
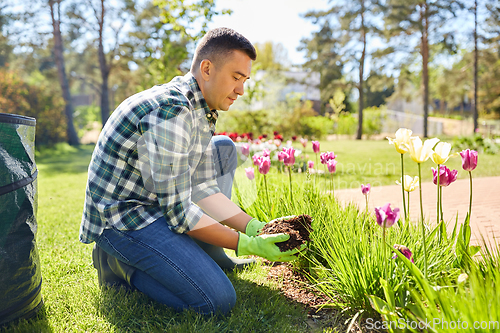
x=485, y=219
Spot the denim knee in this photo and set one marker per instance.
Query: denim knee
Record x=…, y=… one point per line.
x=226, y=153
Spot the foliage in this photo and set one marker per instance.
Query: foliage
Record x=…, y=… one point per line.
x=39, y=101
x=85, y=117
x=477, y=143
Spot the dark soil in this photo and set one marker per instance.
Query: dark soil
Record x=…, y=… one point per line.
x=298, y=227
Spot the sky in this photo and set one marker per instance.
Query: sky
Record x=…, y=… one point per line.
x=278, y=21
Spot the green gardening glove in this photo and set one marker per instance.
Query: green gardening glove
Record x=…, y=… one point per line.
x=265, y=246
x=254, y=226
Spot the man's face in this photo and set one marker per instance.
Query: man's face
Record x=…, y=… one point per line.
x=226, y=80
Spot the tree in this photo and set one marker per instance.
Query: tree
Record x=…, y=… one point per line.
x=55, y=14
x=322, y=57
x=271, y=56
x=354, y=20
x=5, y=48
x=425, y=18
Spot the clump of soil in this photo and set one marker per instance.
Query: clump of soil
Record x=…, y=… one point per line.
x=298, y=227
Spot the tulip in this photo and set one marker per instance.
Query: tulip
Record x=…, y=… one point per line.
x=386, y=217
x=250, y=173
x=310, y=164
x=332, y=166
x=256, y=159
x=264, y=166
x=245, y=149
x=469, y=159
x=266, y=152
x=303, y=142
x=289, y=158
x=315, y=145
x=469, y=163
x=409, y=185
x=441, y=153
x=404, y=251
x=419, y=152
x=446, y=176
x=402, y=140
x=365, y=189
x=281, y=156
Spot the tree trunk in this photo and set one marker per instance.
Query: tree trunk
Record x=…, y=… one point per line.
x=61, y=71
x=361, y=71
x=425, y=61
x=475, y=115
x=105, y=69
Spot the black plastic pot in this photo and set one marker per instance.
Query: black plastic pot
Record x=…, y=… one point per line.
x=20, y=273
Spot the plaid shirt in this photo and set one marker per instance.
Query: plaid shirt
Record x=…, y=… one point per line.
x=153, y=159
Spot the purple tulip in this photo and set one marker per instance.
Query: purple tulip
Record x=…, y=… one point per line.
x=332, y=166
x=265, y=164
x=245, y=149
x=404, y=251
x=365, y=189
x=469, y=159
x=446, y=176
x=310, y=164
x=385, y=216
x=289, y=158
x=250, y=173
x=315, y=146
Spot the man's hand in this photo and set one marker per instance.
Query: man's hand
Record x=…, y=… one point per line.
x=265, y=246
x=253, y=227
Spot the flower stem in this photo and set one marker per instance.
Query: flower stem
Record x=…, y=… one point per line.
x=441, y=202
x=422, y=219
x=331, y=183
x=267, y=194
x=438, y=204
x=470, y=201
x=408, y=205
x=384, y=251
x=403, y=186
x=290, y=177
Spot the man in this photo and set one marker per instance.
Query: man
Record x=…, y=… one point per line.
x=159, y=187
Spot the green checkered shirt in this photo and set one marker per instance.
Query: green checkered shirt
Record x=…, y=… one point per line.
x=153, y=158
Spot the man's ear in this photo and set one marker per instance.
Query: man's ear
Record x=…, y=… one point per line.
x=206, y=69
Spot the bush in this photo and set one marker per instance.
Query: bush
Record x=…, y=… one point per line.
x=476, y=142
x=37, y=101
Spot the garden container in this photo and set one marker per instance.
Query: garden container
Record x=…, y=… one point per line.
x=20, y=273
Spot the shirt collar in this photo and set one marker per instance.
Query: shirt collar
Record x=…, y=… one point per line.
x=197, y=99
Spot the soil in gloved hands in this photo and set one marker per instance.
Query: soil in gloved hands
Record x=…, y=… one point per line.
x=298, y=227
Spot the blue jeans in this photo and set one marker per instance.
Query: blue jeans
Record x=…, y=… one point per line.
x=171, y=267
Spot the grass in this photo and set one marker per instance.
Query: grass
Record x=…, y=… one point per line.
x=73, y=301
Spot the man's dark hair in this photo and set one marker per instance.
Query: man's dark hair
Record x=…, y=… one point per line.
x=218, y=43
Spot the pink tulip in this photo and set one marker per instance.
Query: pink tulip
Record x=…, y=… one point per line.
x=245, y=149
x=289, y=159
x=365, y=189
x=265, y=164
x=315, y=146
x=310, y=164
x=266, y=152
x=256, y=159
x=385, y=216
x=325, y=157
x=332, y=166
x=404, y=251
x=446, y=176
x=469, y=159
x=303, y=142
x=250, y=173
x=281, y=156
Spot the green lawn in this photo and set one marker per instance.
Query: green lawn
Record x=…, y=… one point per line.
x=74, y=302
